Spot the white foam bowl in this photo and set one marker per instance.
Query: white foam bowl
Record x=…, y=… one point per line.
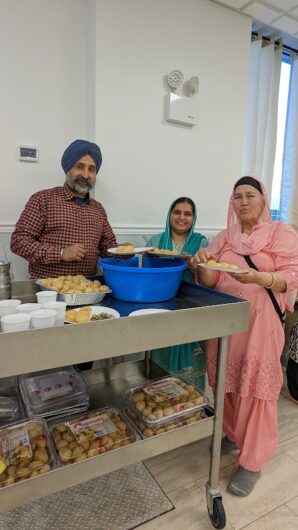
x=8, y=307
x=59, y=307
x=19, y=322
x=43, y=318
x=28, y=308
x=46, y=296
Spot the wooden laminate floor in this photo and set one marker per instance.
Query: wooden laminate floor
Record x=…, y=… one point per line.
x=273, y=505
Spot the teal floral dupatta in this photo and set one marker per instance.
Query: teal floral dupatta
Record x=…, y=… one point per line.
x=186, y=359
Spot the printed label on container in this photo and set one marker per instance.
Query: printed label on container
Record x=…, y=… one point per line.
x=53, y=386
x=164, y=391
x=92, y=427
x=15, y=446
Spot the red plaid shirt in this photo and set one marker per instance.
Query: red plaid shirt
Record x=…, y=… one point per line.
x=51, y=221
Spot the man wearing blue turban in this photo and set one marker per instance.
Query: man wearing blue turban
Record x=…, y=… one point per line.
x=62, y=230
x=78, y=149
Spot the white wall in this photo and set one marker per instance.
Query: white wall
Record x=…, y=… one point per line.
x=96, y=69
x=43, y=50
x=147, y=161
x=46, y=52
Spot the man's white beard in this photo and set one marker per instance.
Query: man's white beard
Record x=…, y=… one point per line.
x=79, y=188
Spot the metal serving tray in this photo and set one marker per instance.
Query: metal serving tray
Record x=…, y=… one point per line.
x=171, y=408
x=76, y=298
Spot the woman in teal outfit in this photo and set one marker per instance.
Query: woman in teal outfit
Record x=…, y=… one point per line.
x=179, y=235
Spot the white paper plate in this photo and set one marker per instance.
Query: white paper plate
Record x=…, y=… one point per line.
x=96, y=310
x=221, y=269
x=147, y=311
x=168, y=256
x=137, y=250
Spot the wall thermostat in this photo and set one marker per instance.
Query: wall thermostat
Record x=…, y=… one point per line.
x=28, y=154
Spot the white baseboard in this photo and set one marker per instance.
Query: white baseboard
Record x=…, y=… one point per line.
x=6, y=229
x=136, y=230
x=148, y=230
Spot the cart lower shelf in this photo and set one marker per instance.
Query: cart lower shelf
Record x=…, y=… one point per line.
x=68, y=476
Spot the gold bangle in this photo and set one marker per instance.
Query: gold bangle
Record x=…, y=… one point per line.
x=272, y=283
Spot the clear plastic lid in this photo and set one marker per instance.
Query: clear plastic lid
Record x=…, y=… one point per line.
x=26, y=450
x=77, y=438
x=50, y=391
x=11, y=408
x=155, y=402
x=147, y=431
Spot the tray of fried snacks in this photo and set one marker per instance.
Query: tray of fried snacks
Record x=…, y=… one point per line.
x=163, y=252
x=76, y=290
x=169, y=398
x=77, y=438
x=147, y=431
x=26, y=450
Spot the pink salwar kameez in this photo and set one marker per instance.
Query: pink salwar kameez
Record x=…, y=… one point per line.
x=254, y=375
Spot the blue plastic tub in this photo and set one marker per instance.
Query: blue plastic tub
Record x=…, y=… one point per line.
x=158, y=280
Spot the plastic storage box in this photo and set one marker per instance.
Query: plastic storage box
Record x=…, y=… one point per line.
x=77, y=438
x=167, y=399
x=11, y=407
x=147, y=431
x=26, y=449
x=156, y=281
x=54, y=392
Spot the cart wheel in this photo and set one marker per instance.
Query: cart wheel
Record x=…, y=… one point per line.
x=218, y=518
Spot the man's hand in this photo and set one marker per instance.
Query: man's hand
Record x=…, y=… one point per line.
x=75, y=252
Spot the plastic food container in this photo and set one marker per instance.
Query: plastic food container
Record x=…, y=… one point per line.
x=81, y=437
x=156, y=281
x=43, y=318
x=7, y=307
x=169, y=398
x=28, y=308
x=59, y=307
x=46, y=296
x=26, y=449
x=11, y=408
x=17, y=322
x=53, y=392
x=147, y=431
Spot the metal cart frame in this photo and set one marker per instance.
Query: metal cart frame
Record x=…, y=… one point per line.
x=197, y=314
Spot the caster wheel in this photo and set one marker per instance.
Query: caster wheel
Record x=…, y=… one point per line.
x=218, y=517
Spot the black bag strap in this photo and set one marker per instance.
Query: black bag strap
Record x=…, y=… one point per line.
x=281, y=314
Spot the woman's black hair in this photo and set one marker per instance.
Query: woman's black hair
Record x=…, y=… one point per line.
x=184, y=199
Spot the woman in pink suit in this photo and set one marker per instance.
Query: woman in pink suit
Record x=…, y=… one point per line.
x=254, y=374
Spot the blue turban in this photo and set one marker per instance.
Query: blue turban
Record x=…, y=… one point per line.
x=77, y=150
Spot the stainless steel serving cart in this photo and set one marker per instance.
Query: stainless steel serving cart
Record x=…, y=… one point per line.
x=196, y=313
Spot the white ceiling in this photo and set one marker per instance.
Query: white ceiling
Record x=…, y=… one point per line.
x=278, y=17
